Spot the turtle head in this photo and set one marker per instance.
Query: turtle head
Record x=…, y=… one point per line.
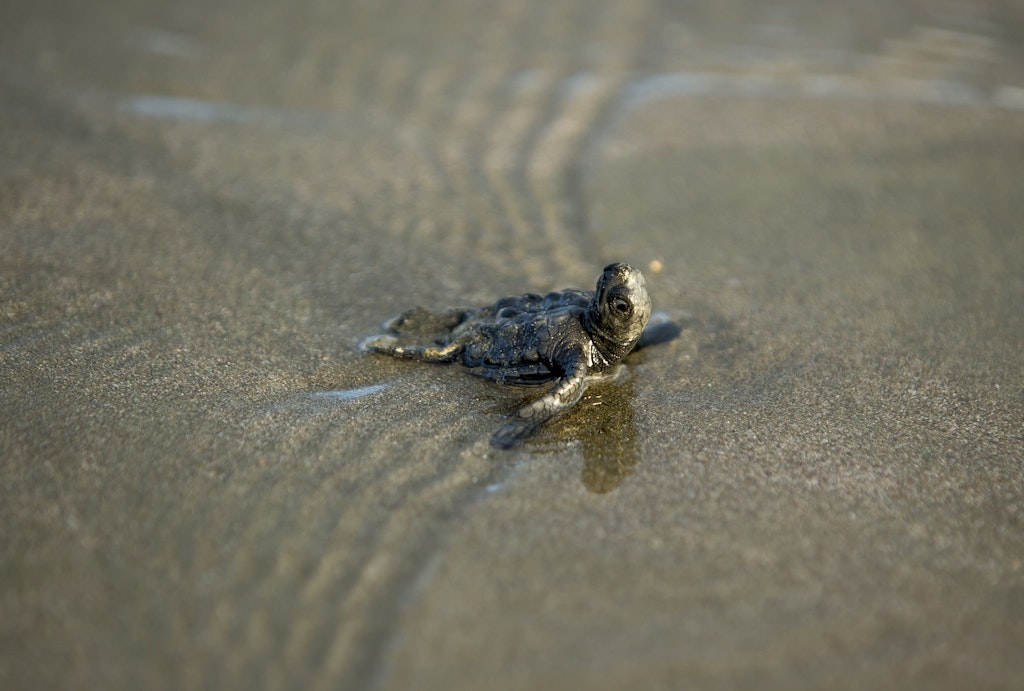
x=620, y=310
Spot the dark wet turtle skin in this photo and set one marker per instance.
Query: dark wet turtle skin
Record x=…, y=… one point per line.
x=566, y=337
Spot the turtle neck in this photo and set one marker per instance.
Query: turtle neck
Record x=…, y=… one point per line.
x=611, y=349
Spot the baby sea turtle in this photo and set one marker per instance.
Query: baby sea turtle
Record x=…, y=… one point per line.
x=566, y=337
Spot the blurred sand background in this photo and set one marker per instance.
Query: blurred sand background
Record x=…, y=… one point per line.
x=205, y=206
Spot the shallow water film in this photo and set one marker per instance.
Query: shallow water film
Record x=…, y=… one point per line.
x=811, y=477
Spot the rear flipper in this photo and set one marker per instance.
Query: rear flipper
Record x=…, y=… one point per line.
x=423, y=324
x=420, y=325
x=389, y=345
x=528, y=418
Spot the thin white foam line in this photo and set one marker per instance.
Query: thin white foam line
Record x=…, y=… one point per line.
x=851, y=87
x=175, y=107
x=190, y=109
x=351, y=394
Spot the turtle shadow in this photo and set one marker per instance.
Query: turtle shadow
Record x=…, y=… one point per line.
x=660, y=329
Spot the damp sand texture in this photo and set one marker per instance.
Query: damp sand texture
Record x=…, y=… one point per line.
x=817, y=482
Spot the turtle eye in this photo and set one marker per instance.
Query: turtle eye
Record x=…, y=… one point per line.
x=621, y=306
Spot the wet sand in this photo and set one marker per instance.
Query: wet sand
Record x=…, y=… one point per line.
x=818, y=482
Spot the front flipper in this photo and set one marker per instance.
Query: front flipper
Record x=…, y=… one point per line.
x=528, y=418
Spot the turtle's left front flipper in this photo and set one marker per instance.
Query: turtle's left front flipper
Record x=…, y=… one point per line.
x=527, y=419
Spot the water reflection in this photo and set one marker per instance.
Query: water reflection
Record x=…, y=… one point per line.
x=603, y=422
x=608, y=436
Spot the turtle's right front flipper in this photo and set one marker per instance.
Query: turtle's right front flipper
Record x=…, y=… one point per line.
x=528, y=418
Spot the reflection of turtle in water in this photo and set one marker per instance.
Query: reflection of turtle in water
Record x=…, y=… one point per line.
x=532, y=339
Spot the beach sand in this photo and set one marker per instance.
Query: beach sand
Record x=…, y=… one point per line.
x=817, y=482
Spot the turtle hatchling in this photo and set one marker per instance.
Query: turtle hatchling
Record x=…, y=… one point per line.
x=566, y=337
